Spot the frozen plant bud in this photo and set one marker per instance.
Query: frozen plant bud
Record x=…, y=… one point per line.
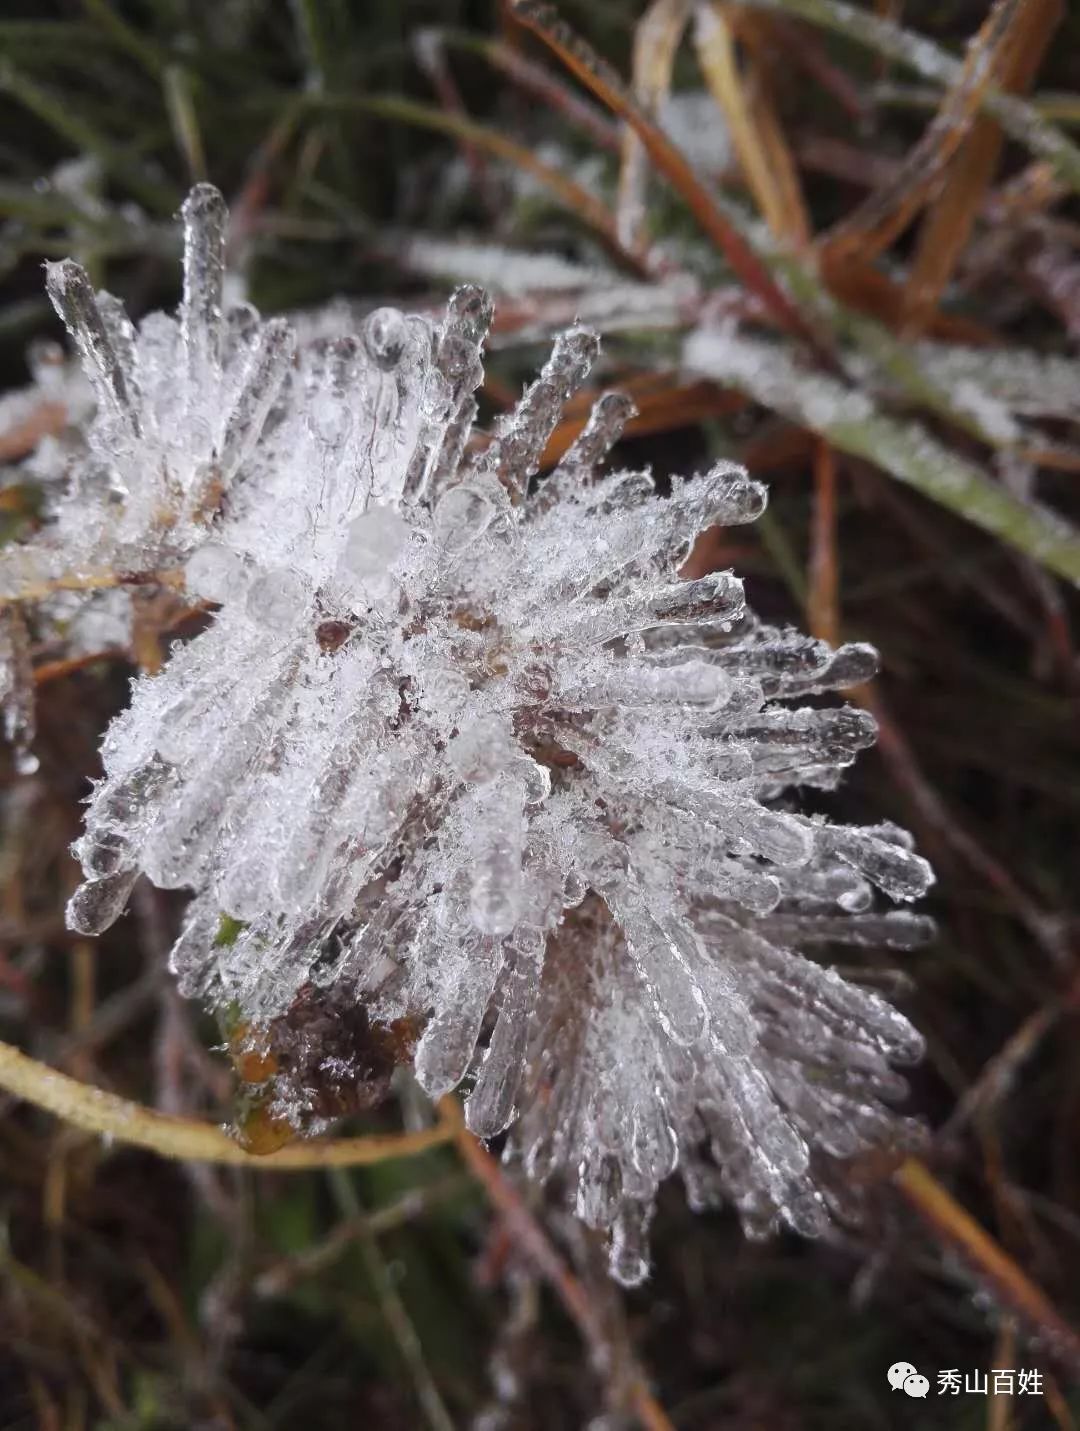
x=164, y=418
x=543, y=808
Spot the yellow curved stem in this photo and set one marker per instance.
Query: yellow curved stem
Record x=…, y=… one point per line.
x=185, y=1139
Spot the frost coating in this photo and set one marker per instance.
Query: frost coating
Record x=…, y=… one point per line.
x=180, y=405
x=465, y=748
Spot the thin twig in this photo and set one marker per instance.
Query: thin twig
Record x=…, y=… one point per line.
x=284, y=1274
x=718, y=219
x=95, y=581
x=886, y=212
x=109, y=1116
x=939, y=821
x=536, y=1246
x=392, y=1306
x=991, y=1264
x=1020, y=120
x=567, y=192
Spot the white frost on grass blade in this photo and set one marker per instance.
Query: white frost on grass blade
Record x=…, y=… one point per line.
x=906, y=450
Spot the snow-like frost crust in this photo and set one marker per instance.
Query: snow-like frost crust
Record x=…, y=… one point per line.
x=464, y=747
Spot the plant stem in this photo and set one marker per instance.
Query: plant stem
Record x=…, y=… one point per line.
x=185, y=1139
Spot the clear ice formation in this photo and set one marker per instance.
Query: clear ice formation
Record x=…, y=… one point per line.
x=462, y=745
x=180, y=404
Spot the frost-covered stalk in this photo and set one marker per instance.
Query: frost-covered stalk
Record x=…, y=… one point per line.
x=463, y=747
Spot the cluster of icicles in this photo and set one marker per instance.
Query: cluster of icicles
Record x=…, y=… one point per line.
x=461, y=746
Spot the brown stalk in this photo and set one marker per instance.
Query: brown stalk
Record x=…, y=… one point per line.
x=57, y=670
x=950, y=219
x=566, y=192
x=861, y=286
x=602, y=80
x=531, y=1239
x=657, y=37
x=247, y=207
x=887, y=212
x=753, y=123
x=802, y=46
x=551, y=91
x=941, y=828
x=663, y=404
x=95, y=581
x=992, y=1266
x=1000, y=1072
x=431, y=57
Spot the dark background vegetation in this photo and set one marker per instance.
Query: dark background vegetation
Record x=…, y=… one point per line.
x=136, y=1293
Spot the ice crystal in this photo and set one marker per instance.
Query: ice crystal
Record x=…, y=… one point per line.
x=463, y=748
x=143, y=467
x=180, y=403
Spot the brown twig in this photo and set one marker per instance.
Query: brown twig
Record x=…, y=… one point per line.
x=938, y=820
x=599, y=77
x=994, y=1267
x=430, y=55
x=534, y=1243
x=999, y=1073
x=566, y=192
x=887, y=212
x=550, y=90
x=56, y=670
x=951, y=217
x=95, y=581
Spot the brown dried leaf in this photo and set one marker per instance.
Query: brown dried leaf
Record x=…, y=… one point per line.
x=599, y=77
x=663, y=404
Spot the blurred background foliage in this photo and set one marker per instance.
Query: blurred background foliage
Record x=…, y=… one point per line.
x=137, y=1294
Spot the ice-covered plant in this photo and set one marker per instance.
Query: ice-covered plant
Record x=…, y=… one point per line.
x=463, y=748
x=179, y=405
